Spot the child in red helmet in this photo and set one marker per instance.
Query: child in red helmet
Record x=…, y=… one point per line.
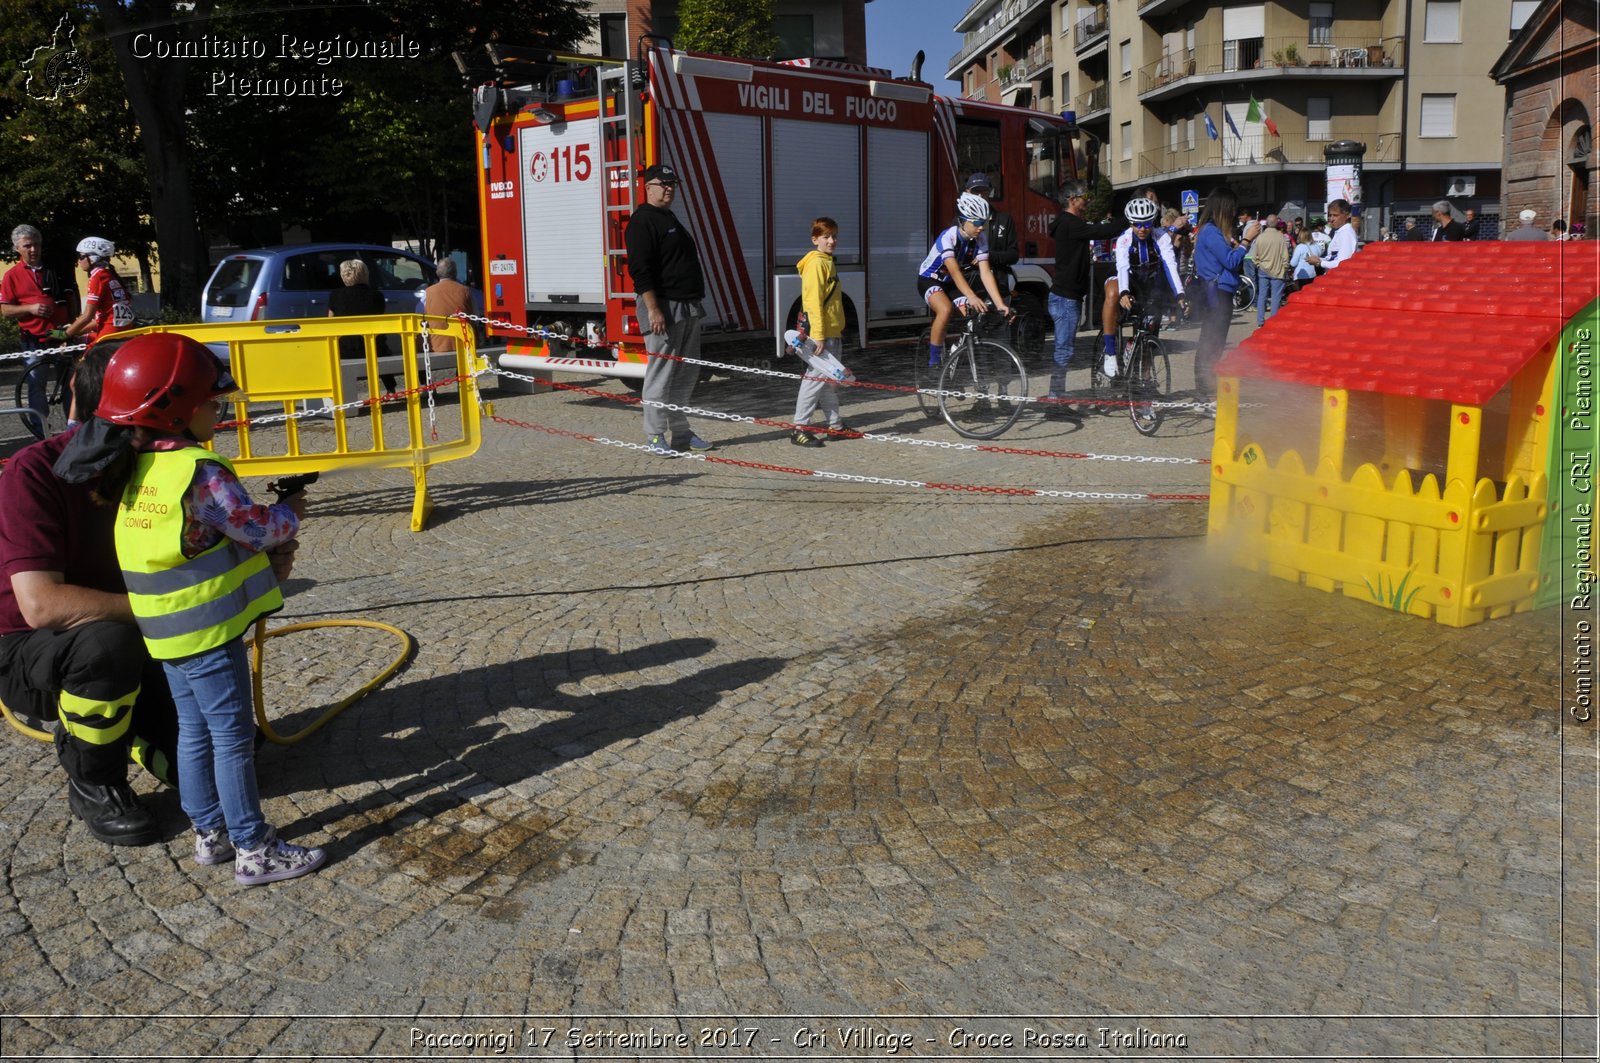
x=192, y=548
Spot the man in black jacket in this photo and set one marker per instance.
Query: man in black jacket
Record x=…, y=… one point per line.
x=1445, y=225
x=1003, y=250
x=1072, y=236
x=670, y=288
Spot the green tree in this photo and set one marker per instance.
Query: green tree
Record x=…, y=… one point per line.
x=156, y=149
x=71, y=167
x=1101, y=199
x=727, y=27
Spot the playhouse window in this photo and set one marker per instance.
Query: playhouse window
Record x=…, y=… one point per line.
x=1279, y=417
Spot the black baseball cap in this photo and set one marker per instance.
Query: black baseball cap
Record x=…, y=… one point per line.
x=978, y=180
x=661, y=172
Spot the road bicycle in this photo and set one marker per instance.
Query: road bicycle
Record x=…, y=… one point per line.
x=1144, y=373
x=979, y=385
x=44, y=393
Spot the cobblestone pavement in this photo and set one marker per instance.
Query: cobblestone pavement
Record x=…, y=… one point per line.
x=781, y=766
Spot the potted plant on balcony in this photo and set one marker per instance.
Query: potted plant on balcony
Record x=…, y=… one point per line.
x=1004, y=73
x=1292, y=54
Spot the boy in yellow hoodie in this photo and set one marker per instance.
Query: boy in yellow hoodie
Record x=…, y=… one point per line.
x=823, y=305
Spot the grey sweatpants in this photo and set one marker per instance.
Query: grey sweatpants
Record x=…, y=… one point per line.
x=814, y=390
x=666, y=380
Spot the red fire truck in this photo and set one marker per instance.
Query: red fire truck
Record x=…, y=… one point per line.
x=763, y=148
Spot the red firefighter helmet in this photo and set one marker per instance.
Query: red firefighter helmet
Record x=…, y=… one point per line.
x=158, y=380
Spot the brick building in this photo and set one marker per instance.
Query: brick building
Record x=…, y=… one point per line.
x=806, y=29
x=1551, y=75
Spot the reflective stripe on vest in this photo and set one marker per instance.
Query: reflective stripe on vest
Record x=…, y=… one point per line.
x=184, y=606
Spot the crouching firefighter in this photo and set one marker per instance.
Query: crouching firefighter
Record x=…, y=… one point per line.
x=71, y=658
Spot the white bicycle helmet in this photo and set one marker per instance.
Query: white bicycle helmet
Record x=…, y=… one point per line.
x=96, y=247
x=1141, y=211
x=973, y=207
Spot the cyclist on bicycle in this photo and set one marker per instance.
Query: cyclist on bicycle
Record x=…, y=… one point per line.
x=942, y=280
x=107, y=307
x=1144, y=256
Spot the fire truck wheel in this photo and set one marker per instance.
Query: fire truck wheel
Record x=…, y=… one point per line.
x=1027, y=332
x=634, y=384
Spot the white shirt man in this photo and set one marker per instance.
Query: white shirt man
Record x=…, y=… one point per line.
x=1343, y=243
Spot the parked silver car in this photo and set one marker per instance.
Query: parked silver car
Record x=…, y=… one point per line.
x=273, y=283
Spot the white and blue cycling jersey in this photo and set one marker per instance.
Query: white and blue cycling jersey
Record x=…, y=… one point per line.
x=1145, y=259
x=952, y=245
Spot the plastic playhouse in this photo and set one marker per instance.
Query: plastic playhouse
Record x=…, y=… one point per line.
x=1410, y=429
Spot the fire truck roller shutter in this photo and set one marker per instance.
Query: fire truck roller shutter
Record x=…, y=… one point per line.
x=897, y=214
x=816, y=173
x=727, y=218
x=562, y=215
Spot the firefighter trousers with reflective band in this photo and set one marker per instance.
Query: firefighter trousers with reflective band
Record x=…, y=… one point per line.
x=111, y=698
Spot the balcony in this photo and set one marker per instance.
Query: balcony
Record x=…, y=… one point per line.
x=1152, y=8
x=1094, y=104
x=1262, y=152
x=1014, y=15
x=1272, y=58
x=1093, y=27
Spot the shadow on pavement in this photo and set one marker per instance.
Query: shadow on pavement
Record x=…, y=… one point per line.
x=433, y=752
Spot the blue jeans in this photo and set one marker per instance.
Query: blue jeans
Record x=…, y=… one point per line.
x=216, y=743
x=1267, y=288
x=1064, y=312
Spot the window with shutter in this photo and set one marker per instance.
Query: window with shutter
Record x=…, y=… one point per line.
x=1321, y=24
x=1319, y=117
x=1438, y=118
x=1442, y=22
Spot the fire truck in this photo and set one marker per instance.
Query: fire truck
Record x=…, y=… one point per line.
x=763, y=148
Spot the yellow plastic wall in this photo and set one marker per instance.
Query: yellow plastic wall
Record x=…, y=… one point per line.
x=1463, y=553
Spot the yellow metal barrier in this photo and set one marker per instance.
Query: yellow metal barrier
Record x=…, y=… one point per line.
x=289, y=364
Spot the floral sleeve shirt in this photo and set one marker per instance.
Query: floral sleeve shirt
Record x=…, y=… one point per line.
x=217, y=505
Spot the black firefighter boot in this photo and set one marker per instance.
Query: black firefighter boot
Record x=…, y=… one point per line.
x=112, y=812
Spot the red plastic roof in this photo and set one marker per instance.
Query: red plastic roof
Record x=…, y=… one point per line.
x=1447, y=321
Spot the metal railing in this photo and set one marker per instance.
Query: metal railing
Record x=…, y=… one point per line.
x=1096, y=99
x=1091, y=26
x=1257, y=147
x=1027, y=68
x=1287, y=55
x=1011, y=15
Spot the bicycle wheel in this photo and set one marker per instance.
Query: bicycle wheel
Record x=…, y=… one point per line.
x=925, y=377
x=45, y=388
x=1149, y=384
x=983, y=388
x=1244, y=296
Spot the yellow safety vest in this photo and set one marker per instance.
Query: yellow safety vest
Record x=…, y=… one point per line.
x=185, y=605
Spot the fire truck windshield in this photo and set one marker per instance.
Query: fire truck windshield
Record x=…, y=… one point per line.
x=1049, y=162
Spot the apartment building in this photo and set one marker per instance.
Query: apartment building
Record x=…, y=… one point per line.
x=1008, y=53
x=1279, y=83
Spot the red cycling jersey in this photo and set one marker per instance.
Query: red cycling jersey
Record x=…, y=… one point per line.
x=113, y=309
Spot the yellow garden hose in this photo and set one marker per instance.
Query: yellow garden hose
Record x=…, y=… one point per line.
x=31, y=732
x=257, y=651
